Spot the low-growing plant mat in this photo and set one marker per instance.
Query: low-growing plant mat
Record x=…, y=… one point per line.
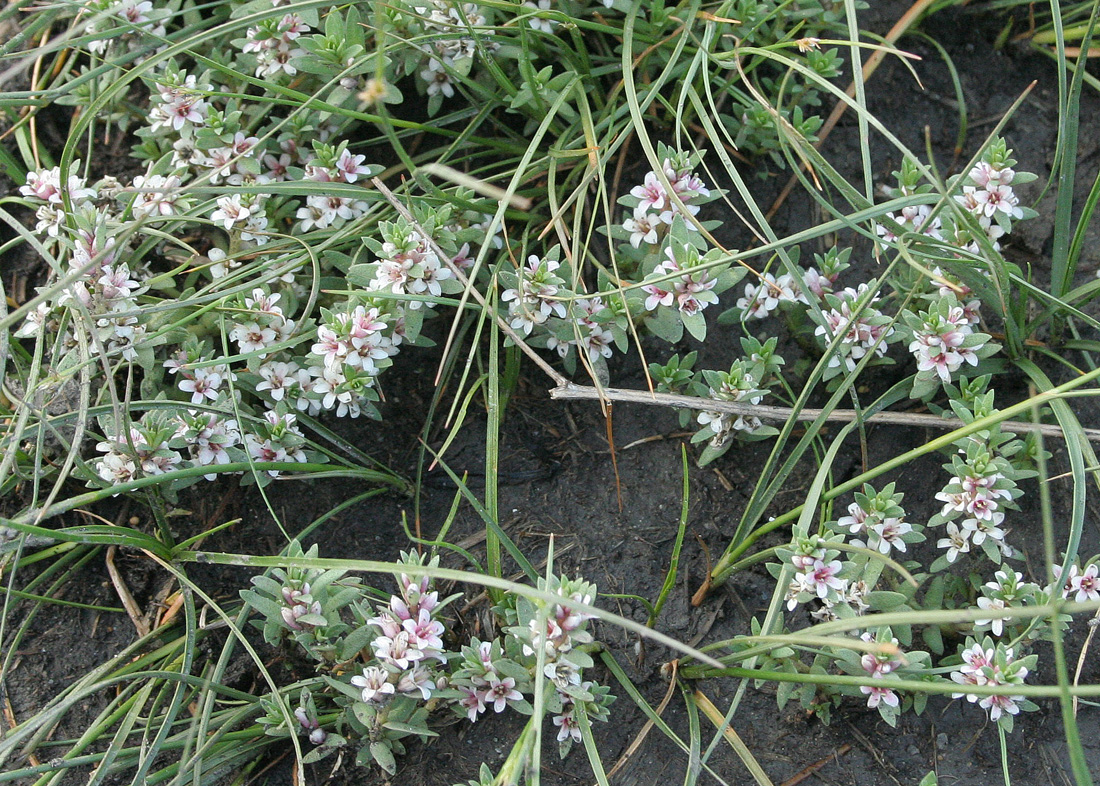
x=611, y=509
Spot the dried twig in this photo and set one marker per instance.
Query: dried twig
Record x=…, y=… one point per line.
x=1093, y=624
x=124, y=595
x=810, y=770
x=572, y=391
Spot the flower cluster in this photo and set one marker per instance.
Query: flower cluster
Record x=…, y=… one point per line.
x=1081, y=585
x=766, y=296
x=307, y=604
x=987, y=193
x=273, y=43
x=942, y=341
x=408, y=638
x=408, y=265
x=817, y=574
x=988, y=205
x=276, y=438
x=554, y=635
x=878, y=665
x=210, y=438
x=983, y=210
x=747, y=381
x=482, y=680
x=880, y=519
x=655, y=204
x=337, y=165
x=690, y=292
x=861, y=328
x=82, y=222
x=353, y=347
x=399, y=654
x=132, y=22
x=738, y=384
x=262, y=323
x=683, y=284
x=198, y=374
x=179, y=106
x=300, y=611
x=880, y=659
x=160, y=443
x=452, y=28
x=1007, y=589
x=911, y=218
x=531, y=298
x=986, y=664
x=974, y=500
x=591, y=325
x=144, y=449
x=770, y=292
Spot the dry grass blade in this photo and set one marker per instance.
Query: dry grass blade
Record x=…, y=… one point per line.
x=644, y=732
x=735, y=741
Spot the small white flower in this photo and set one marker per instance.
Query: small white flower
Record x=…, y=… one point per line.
x=996, y=623
x=501, y=691
x=375, y=684
x=1086, y=584
x=957, y=542
x=642, y=228
x=568, y=727
x=252, y=337
x=543, y=25
x=36, y=318
x=878, y=695
x=230, y=211
x=277, y=378
x=439, y=82
x=156, y=195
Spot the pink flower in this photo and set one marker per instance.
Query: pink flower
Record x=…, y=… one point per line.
x=398, y=650
x=473, y=701
x=996, y=624
x=230, y=211
x=877, y=695
x=999, y=705
x=351, y=167
x=1086, y=584
x=424, y=632
x=651, y=193
x=642, y=228
x=329, y=346
x=567, y=727
x=823, y=577
x=657, y=297
x=416, y=679
x=957, y=542
x=856, y=519
x=202, y=384
x=502, y=691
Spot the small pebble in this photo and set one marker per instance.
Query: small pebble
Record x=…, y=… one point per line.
x=913, y=750
x=941, y=740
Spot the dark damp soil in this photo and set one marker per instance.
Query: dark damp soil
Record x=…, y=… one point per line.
x=612, y=514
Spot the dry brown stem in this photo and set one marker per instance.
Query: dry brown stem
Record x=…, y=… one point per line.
x=781, y=414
